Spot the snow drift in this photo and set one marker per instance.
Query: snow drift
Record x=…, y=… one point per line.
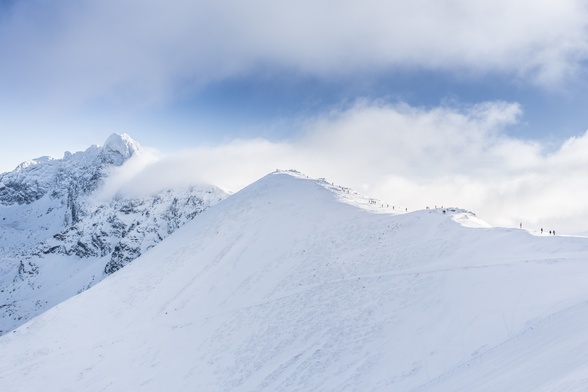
x=288, y=285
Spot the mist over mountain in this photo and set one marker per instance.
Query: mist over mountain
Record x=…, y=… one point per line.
x=59, y=234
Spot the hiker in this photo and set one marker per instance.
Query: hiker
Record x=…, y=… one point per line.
x=542, y=230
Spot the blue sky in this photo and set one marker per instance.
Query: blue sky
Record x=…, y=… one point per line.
x=499, y=86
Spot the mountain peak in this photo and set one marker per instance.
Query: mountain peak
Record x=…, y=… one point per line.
x=122, y=144
x=32, y=179
x=281, y=288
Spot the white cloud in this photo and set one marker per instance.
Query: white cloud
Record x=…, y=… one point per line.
x=144, y=52
x=130, y=178
x=414, y=157
x=150, y=50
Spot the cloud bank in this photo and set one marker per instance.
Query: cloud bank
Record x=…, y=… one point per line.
x=62, y=54
x=415, y=157
x=150, y=51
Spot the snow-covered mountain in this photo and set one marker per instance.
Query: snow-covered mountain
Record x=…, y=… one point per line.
x=295, y=284
x=57, y=237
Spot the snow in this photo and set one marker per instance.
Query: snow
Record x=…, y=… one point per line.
x=548, y=356
x=123, y=144
x=289, y=286
x=56, y=227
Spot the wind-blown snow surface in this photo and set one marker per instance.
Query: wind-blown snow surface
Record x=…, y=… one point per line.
x=284, y=287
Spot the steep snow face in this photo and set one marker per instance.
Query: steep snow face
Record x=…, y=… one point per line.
x=58, y=237
x=285, y=287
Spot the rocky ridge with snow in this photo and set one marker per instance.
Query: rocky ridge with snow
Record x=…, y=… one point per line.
x=67, y=178
x=49, y=213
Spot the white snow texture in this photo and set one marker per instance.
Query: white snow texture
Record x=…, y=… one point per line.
x=288, y=286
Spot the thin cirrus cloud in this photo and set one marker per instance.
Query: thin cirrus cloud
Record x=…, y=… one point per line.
x=151, y=51
x=408, y=156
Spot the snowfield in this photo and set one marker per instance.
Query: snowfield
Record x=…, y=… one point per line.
x=295, y=284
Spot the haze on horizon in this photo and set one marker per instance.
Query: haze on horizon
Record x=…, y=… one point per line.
x=480, y=104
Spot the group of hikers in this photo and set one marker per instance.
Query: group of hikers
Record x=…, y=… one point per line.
x=551, y=232
x=372, y=201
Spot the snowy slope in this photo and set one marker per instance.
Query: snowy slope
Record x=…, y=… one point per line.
x=288, y=285
x=59, y=235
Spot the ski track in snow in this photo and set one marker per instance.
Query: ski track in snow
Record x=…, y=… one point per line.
x=535, y=328
x=413, y=273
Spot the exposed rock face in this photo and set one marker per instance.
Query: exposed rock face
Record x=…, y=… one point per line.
x=125, y=228
x=50, y=214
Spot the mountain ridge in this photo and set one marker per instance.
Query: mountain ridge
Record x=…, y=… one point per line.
x=283, y=286
x=84, y=170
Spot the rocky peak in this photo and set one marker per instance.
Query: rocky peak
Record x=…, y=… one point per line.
x=83, y=171
x=118, y=148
